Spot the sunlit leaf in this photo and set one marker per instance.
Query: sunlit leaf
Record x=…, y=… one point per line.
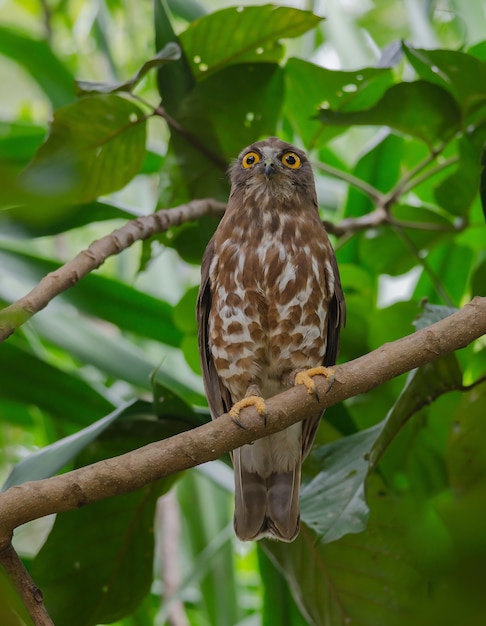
x=242, y=34
x=309, y=87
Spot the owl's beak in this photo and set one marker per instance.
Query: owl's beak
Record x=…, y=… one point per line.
x=269, y=168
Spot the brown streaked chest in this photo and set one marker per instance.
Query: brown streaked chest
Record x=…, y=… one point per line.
x=270, y=284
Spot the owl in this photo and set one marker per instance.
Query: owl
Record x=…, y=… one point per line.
x=270, y=309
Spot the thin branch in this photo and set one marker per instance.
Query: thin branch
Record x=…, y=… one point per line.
x=372, y=192
x=407, y=181
x=30, y=594
x=477, y=382
x=90, y=259
x=439, y=287
x=410, y=184
x=183, y=132
x=131, y=471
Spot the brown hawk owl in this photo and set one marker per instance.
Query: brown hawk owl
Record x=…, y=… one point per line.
x=270, y=309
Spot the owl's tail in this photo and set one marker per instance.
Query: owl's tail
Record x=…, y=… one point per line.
x=266, y=507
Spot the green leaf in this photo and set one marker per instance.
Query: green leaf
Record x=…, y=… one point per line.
x=451, y=265
x=175, y=80
x=171, y=397
x=365, y=578
x=110, y=561
x=254, y=111
x=433, y=313
x=95, y=145
x=53, y=220
x=379, y=166
x=423, y=386
x=419, y=109
x=19, y=141
x=333, y=503
x=170, y=52
x=308, y=87
x=242, y=34
x=461, y=74
x=28, y=379
x=103, y=297
x=40, y=62
x=278, y=604
x=49, y=460
x=208, y=533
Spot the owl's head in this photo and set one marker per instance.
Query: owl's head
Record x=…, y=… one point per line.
x=272, y=170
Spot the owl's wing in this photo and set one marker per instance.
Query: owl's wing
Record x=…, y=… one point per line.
x=336, y=319
x=218, y=396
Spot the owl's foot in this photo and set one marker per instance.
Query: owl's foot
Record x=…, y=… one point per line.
x=305, y=378
x=256, y=401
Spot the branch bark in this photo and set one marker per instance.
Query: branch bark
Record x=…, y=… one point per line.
x=90, y=259
x=130, y=471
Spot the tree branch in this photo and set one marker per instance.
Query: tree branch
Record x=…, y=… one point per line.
x=125, y=473
x=53, y=284
x=29, y=592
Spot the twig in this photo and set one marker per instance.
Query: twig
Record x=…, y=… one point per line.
x=30, y=594
x=372, y=192
x=407, y=181
x=183, y=132
x=131, y=471
x=90, y=259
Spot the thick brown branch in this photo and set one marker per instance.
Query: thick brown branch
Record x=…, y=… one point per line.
x=90, y=259
x=128, y=472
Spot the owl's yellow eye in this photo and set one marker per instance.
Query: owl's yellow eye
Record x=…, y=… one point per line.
x=292, y=160
x=250, y=159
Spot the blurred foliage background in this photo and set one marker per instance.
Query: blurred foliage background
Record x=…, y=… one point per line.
x=389, y=99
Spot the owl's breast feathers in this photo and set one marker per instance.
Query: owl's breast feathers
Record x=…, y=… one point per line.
x=271, y=281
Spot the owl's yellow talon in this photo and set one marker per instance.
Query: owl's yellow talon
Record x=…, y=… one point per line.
x=256, y=401
x=305, y=378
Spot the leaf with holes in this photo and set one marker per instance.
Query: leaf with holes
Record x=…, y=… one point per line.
x=95, y=146
x=241, y=35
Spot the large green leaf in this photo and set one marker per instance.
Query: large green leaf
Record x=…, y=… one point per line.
x=96, y=565
x=28, y=379
x=252, y=93
x=26, y=224
x=240, y=35
x=278, y=604
x=19, y=141
x=309, y=87
x=103, y=297
x=49, y=460
x=420, y=109
x=95, y=145
x=333, y=503
x=365, y=578
x=40, y=62
x=461, y=74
